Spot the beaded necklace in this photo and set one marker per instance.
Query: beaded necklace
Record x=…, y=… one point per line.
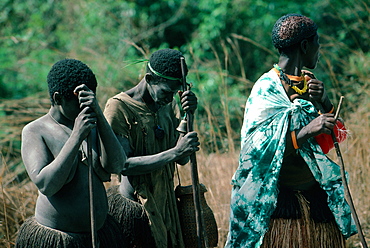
x=289, y=78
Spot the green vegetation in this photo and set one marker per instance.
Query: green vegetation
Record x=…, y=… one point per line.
x=227, y=45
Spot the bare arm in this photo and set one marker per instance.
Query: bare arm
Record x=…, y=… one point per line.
x=51, y=163
x=189, y=103
x=146, y=164
x=322, y=124
x=316, y=92
x=184, y=160
x=113, y=156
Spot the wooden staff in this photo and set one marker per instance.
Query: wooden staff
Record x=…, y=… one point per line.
x=91, y=188
x=202, y=242
x=347, y=193
x=91, y=192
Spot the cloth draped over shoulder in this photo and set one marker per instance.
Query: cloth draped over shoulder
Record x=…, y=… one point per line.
x=269, y=114
x=133, y=120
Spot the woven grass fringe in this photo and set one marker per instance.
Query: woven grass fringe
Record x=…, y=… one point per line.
x=34, y=235
x=132, y=217
x=303, y=232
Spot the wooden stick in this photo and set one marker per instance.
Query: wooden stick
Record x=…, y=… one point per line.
x=201, y=240
x=347, y=192
x=91, y=192
x=338, y=108
x=91, y=188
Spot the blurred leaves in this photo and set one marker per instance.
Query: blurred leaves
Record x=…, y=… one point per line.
x=227, y=45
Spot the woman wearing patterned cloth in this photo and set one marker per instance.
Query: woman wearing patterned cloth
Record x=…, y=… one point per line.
x=286, y=192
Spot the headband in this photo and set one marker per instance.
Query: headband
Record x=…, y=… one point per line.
x=161, y=75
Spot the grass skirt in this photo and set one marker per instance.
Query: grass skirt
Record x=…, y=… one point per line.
x=132, y=217
x=303, y=232
x=34, y=235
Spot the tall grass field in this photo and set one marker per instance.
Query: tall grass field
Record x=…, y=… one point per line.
x=18, y=194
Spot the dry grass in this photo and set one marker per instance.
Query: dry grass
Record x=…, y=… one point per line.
x=215, y=172
x=17, y=203
x=356, y=156
x=17, y=197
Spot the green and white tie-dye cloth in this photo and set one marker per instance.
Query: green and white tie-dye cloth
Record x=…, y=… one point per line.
x=268, y=115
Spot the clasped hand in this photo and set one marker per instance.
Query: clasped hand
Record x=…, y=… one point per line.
x=322, y=124
x=188, y=144
x=316, y=91
x=189, y=101
x=87, y=118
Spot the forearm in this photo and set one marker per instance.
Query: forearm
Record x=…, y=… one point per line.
x=327, y=105
x=146, y=164
x=52, y=177
x=295, y=140
x=113, y=156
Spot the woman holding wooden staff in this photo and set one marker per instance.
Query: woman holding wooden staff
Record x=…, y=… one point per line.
x=55, y=153
x=145, y=119
x=286, y=191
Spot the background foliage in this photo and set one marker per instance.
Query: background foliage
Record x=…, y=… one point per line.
x=227, y=45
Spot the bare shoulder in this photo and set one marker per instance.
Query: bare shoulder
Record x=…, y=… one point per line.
x=40, y=126
x=42, y=140
x=43, y=131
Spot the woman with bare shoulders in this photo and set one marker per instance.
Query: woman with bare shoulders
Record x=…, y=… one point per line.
x=54, y=152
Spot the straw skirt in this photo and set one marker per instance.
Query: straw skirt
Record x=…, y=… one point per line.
x=312, y=226
x=34, y=235
x=132, y=217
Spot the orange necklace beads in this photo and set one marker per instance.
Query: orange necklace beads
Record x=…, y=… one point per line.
x=289, y=78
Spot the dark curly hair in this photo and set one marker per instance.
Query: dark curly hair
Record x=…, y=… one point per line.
x=166, y=62
x=65, y=75
x=290, y=29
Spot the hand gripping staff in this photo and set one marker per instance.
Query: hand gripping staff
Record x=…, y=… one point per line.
x=201, y=240
x=94, y=241
x=347, y=193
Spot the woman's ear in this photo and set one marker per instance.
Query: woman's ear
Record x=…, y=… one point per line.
x=304, y=46
x=150, y=79
x=57, y=98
